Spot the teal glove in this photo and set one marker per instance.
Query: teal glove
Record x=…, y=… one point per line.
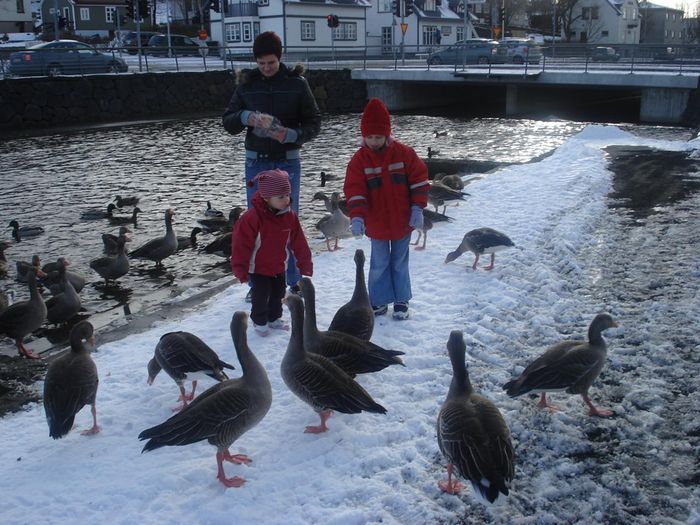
x=416, y=220
x=357, y=225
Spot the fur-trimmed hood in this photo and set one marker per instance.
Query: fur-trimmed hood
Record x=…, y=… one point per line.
x=248, y=75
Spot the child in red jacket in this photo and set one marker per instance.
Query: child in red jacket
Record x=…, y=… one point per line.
x=259, y=248
x=386, y=188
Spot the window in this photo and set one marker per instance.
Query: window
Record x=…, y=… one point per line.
x=247, y=32
x=430, y=35
x=589, y=13
x=263, y=2
x=446, y=30
x=460, y=33
x=109, y=14
x=233, y=32
x=20, y=6
x=604, y=33
x=384, y=6
x=345, y=31
x=429, y=5
x=308, y=30
x=256, y=29
x=85, y=13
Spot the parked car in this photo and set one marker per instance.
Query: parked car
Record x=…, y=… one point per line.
x=604, y=54
x=471, y=51
x=180, y=45
x=130, y=41
x=63, y=57
x=521, y=50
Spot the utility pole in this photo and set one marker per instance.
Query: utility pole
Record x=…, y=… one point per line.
x=56, y=30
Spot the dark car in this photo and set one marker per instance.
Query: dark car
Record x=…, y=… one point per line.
x=180, y=45
x=64, y=57
x=473, y=51
x=130, y=40
x=604, y=54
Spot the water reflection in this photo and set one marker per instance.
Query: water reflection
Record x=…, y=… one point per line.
x=50, y=180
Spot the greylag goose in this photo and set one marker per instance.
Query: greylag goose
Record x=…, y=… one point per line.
x=220, y=223
x=570, y=365
x=212, y=212
x=161, y=247
x=472, y=434
x=112, y=267
x=429, y=218
x=184, y=356
x=98, y=214
x=451, y=181
x=19, y=233
x=23, y=268
x=335, y=225
x=128, y=219
x=356, y=317
x=22, y=318
x=480, y=241
x=189, y=241
x=352, y=354
x=224, y=412
x=110, y=240
x=70, y=384
x=440, y=195
x=318, y=381
x=65, y=305
x=52, y=276
x=329, y=204
x=126, y=201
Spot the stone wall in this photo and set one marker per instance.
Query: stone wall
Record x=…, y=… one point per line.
x=28, y=104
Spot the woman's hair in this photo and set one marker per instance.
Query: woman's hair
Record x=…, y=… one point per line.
x=267, y=43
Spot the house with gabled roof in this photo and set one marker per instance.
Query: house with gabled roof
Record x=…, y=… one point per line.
x=661, y=24
x=606, y=22
x=89, y=17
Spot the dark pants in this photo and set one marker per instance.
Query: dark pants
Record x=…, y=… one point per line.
x=266, y=297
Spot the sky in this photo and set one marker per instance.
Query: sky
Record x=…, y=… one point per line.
x=371, y=468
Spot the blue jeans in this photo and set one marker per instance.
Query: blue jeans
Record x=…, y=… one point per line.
x=389, y=279
x=293, y=168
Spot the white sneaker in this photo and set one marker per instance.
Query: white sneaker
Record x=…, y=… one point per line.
x=278, y=324
x=262, y=330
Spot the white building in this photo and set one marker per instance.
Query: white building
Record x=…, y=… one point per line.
x=606, y=22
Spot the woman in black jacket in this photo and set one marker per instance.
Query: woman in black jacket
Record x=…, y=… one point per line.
x=276, y=107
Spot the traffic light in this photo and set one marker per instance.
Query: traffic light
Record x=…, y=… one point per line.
x=329, y=20
x=502, y=13
x=332, y=20
x=396, y=7
x=130, y=10
x=409, y=7
x=143, y=9
x=62, y=22
x=215, y=6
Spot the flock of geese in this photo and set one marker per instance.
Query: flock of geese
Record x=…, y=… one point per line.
x=21, y=318
x=319, y=367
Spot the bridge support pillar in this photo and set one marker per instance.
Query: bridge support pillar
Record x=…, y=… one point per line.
x=664, y=106
x=511, y=100
x=402, y=96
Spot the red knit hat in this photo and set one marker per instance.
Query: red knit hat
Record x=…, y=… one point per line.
x=273, y=183
x=375, y=119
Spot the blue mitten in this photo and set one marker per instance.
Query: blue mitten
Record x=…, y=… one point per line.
x=416, y=220
x=357, y=225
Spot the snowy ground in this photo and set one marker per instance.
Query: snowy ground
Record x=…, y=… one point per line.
x=638, y=467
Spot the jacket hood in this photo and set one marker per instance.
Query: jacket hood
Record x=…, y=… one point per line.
x=248, y=75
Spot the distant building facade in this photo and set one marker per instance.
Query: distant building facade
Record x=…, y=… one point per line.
x=606, y=22
x=661, y=24
x=16, y=16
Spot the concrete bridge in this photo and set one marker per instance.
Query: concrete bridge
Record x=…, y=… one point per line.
x=662, y=97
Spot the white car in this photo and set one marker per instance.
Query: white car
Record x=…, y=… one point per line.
x=522, y=50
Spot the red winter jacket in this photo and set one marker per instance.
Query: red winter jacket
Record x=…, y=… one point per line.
x=259, y=242
x=382, y=186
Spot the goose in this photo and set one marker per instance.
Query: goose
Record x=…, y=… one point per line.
x=109, y=240
x=451, y=181
x=189, y=241
x=352, y=354
x=224, y=412
x=328, y=203
x=184, y=356
x=220, y=246
x=212, y=212
x=19, y=233
x=432, y=152
x=161, y=247
x=112, y=267
x=71, y=383
x=325, y=177
x=356, y=317
x=3, y=259
x=318, y=381
x=479, y=241
x=439, y=195
x=220, y=223
x=472, y=434
x=335, y=225
x=98, y=214
x=23, y=268
x=63, y=306
x=126, y=201
x=22, y=318
x=128, y=219
x=429, y=218
x=52, y=276
x=570, y=365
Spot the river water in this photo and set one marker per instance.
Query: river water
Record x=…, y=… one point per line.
x=181, y=164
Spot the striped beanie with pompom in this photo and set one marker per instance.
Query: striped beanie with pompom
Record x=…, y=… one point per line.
x=273, y=183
